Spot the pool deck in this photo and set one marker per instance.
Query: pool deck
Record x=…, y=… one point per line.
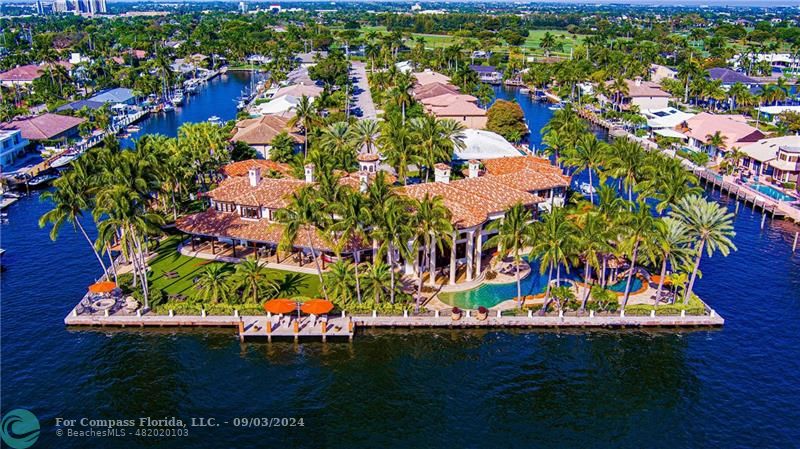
x=346, y=326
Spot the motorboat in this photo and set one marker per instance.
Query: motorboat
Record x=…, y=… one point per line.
x=214, y=120
x=556, y=107
x=587, y=189
x=64, y=159
x=177, y=97
x=168, y=107
x=41, y=180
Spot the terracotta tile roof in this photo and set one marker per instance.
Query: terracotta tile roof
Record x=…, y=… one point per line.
x=367, y=157
x=457, y=109
x=261, y=130
x=270, y=192
x=637, y=89
x=733, y=127
x=529, y=173
x=473, y=201
x=298, y=90
x=23, y=73
x=445, y=99
x=241, y=168
x=213, y=223
x=43, y=127
x=434, y=90
x=505, y=165
x=352, y=179
x=429, y=76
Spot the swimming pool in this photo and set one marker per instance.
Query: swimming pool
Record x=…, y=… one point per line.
x=771, y=192
x=490, y=295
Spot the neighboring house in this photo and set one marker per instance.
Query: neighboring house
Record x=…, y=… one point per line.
x=434, y=89
x=12, y=146
x=487, y=74
x=404, y=66
x=283, y=105
x=24, y=74
x=299, y=76
x=730, y=77
x=482, y=145
x=298, y=90
x=118, y=95
x=733, y=128
x=428, y=76
x=644, y=94
x=665, y=118
x=465, y=112
x=46, y=127
x=761, y=154
x=787, y=163
x=659, y=73
x=260, y=132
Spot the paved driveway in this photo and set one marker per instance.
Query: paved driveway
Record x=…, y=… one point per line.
x=362, y=106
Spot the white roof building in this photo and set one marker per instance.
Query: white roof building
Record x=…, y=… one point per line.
x=481, y=144
x=665, y=117
x=280, y=105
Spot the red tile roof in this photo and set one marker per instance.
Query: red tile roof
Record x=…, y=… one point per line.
x=23, y=73
x=270, y=192
x=241, y=168
x=261, y=130
x=43, y=127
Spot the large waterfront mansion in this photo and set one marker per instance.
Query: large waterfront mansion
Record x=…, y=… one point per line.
x=243, y=207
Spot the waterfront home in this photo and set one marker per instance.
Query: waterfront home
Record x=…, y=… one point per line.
x=26, y=74
x=260, y=132
x=734, y=130
x=665, y=118
x=12, y=146
x=308, y=59
x=771, y=113
x=45, y=127
x=434, y=89
x=243, y=210
x=459, y=107
x=481, y=144
x=267, y=167
x=730, y=77
x=299, y=76
x=298, y=90
x=283, y=106
x=644, y=94
x=118, y=95
x=487, y=73
x=761, y=154
x=428, y=76
x=787, y=163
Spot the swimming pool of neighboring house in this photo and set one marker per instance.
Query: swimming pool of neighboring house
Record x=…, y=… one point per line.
x=772, y=192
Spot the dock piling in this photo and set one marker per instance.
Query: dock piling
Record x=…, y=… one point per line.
x=794, y=245
x=763, y=218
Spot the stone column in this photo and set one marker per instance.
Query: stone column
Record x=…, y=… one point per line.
x=453, y=259
x=432, y=278
x=409, y=263
x=479, y=251
x=470, y=253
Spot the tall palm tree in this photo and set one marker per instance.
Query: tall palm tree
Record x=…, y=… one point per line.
x=350, y=228
x=403, y=83
x=672, y=241
x=377, y=280
x=435, y=140
x=364, y=133
x=588, y=155
x=591, y=238
x=553, y=246
x=397, y=143
x=394, y=232
x=515, y=233
x=340, y=280
x=71, y=197
x=711, y=228
x=305, y=115
x=639, y=228
x=213, y=283
x=304, y=213
x=626, y=162
x=431, y=223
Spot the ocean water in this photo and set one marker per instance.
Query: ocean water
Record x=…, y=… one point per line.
x=736, y=387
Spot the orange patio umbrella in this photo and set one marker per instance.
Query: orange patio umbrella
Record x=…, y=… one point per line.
x=317, y=307
x=102, y=287
x=279, y=306
x=655, y=279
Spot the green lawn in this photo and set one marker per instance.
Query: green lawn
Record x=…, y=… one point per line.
x=188, y=268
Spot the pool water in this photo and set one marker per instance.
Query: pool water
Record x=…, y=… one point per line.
x=490, y=295
x=772, y=192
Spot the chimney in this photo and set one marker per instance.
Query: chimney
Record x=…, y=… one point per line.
x=255, y=176
x=363, y=181
x=474, y=168
x=442, y=173
x=309, y=173
x=637, y=81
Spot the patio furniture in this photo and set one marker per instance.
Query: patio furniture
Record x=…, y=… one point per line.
x=104, y=304
x=131, y=305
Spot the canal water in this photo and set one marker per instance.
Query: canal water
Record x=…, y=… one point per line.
x=737, y=387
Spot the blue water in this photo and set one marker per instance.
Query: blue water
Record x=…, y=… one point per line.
x=772, y=192
x=216, y=98
x=738, y=387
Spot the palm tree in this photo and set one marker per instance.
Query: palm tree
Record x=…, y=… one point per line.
x=71, y=196
x=515, y=233
x=710, y=227
x=435, y=140
x=672, y=240
x=304, y=213
x=350, y=228
x=716, y=140
x=626, y=162
x=548, y=41
x=553, y=246
x=364, y=133
x=377, y=280
x=212, y=283
x=588, y=155
x=639, y=227
x=432, y=223
x=398, y=146
x=340, y=280
x=305, y=115
x=403, y=83
x=251, y=279
x=394, y=232
x=591, y=239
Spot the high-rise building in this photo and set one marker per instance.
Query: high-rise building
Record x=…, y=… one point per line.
x=243, y=7
x=80, y=6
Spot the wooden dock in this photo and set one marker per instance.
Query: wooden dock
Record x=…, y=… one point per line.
x=344, y=327
x=748, y=196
